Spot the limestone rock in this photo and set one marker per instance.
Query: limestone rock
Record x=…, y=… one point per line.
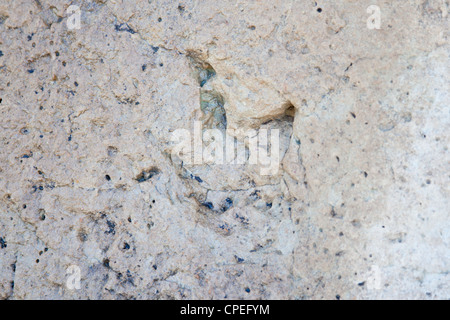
x=89, y=182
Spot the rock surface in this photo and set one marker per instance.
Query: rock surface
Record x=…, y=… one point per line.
x=359, y=208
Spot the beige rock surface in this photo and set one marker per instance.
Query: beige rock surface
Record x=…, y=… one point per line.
x=359, y=208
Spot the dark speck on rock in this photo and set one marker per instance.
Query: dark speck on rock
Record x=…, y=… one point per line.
x=147, y=174
x=209, y=205
x=124, y=27
x=228, y=204
x=2, y=243
x=112, y=227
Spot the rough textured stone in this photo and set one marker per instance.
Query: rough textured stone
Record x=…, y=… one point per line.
x=359, y=207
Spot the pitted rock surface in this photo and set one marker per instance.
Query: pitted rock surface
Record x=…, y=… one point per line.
x=359, y=208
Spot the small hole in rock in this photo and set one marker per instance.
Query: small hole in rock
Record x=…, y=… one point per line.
x=146, y=175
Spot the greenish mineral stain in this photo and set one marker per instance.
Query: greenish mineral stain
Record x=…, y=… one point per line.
x=211, y=102
x=205, y=75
